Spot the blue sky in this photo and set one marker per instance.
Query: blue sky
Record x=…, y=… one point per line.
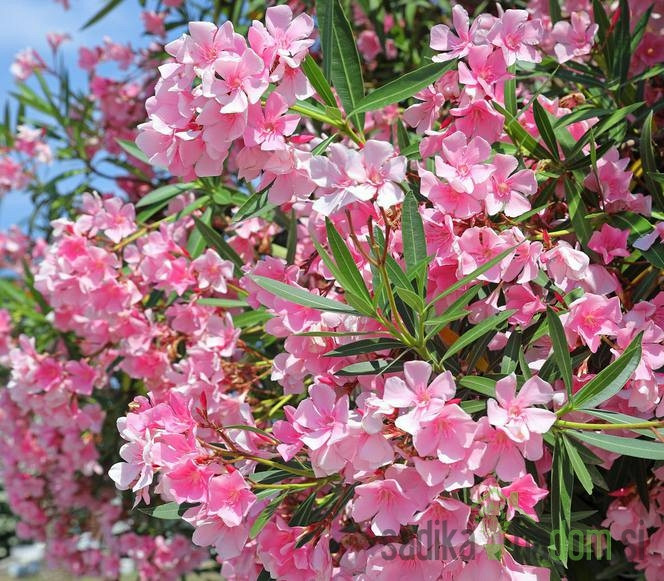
x=25, y=23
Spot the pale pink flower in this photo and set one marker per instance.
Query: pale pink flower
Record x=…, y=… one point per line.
x=514, y=413
x=485, y=69
x=282, y=36
x=448, y=44
x=609, y=242
x=241, y=80
x=522, y=496
x=230, y=498
x=462, y=164
x=575, y=38
x=213, y=271
x=592, y=316
x=517, y=36
x=269, y=125
x=385, y=502
x=508, y=189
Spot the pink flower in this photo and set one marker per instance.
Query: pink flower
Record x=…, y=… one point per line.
x=241, y=80
x=385, y=502
x=574, y=39
x=415, y=392
x=282, y=36
x=592, y=316
x=477, y=246
x=346, y=175
x=321, y=419
x=485, y=69
x=230, y=498
x=522, y=495
x=268, y=125
x=450, y=45
x=25, y=63
x=565, y=263
x=513, y=413
x=508, y=189
x=213, y=271
x=517, y=36
x=117, y=219
x=609, y=242
x=423, y=115
x=154, y=22
x=611, y=180
x=479, y=119
x=462, y=162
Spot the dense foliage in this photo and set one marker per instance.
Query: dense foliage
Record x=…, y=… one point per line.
x=376, y=292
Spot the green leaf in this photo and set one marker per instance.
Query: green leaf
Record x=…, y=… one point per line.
x=509, y=92
x=223, y=303
x=263, y=518
x=545, y=129
x=649, y=163
x=562, y=484
x=165, y=193
x=403, y=87
x=256, y=205
x=621, y=41
x=618, y=418
x=303, y=513
x=479, y=330
x=578, y=465
x=376, y=367
x=196, y=242
x=560, y=348
x=291, y=241
x=217, y=241
x=623, y=446
x=483, y=385
x=640, y=28
x=365, y=346
x=323, y=145
x=105, y=10
x=577, y=211
x=349, y=277
x=303, y=297
x=341, y=61
x=610, y=380
x=511, y=352
x=132, y=149
x=168, y=511
x=520, y=136
x=318, y=81
x=412, y=233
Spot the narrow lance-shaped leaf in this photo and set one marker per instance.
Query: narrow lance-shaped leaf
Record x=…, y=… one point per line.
x=217, y=241
x=341, y=61
x=560, y=349
x=318, y=81
x=165, y=193
x=610, y=380
x=403, y=87
x=302, y=297
x=649, y=163
x=577, y=210
x=474, y=333
x=351, y=277
x=623, y=446
x=365, y=346
x=578, y=465
x=412, y=233
x=545, y=129
x=562, y=482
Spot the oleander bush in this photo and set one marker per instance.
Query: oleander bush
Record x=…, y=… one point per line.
x=340, y=290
